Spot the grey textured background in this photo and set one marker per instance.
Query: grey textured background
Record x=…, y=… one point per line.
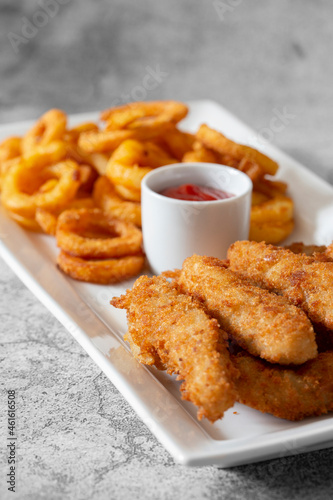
x=79, y=439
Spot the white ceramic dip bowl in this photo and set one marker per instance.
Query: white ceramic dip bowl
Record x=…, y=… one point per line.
x=175, y=229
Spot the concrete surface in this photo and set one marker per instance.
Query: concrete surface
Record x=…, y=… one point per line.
x=79, y=439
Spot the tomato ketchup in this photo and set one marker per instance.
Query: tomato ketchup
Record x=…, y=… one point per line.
x=193, y=192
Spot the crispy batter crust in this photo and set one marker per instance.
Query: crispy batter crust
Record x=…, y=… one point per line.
x=305, y=281
x=290, y=393
x=329, y=251
x=169, y=329
x=261, y=322
x=300, y=247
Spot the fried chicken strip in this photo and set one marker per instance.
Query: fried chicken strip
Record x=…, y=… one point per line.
x=305, y=281
x=169, y=329
x=300, y=247
x=261, y=322
x=318, y=252
x=329, y=251
x=290, y=393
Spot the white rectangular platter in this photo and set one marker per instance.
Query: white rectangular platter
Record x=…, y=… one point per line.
x=244, y=435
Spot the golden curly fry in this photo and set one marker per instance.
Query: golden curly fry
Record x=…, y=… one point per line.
x=176, y=142
x=218, y=142
x=74, y=133
x=271, y=215
x=279, y=209
x=91, y=233
x=108, y=140
x=132, y=160
x=201, y=154
x=47, y=220
x=144, y=115
x=10, y=148
x=270, y=232
x=26, y=222
x=50, y=127
x=105, y=197
x=99, y=161
x=21, y=193
x=103, y=272
x=129, y=194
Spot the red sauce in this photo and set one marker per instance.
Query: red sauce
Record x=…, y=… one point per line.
x=193, y=192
